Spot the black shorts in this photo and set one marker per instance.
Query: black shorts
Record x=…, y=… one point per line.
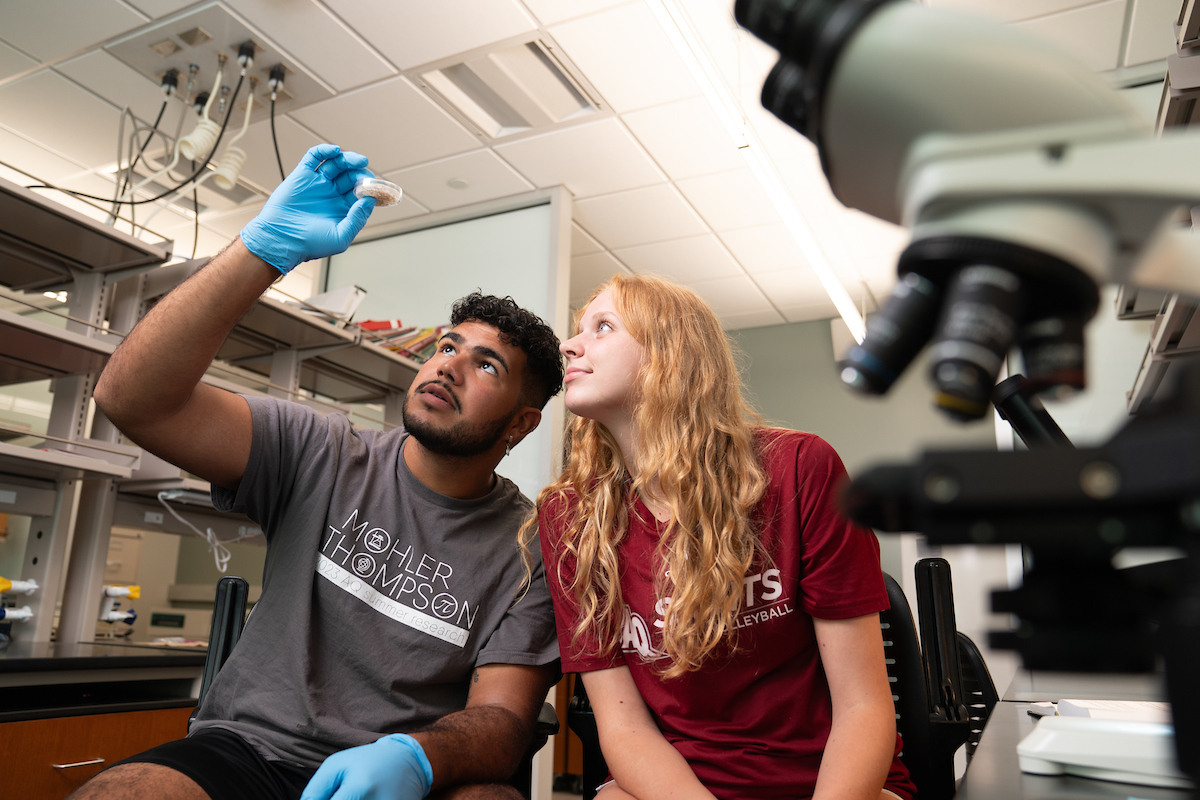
x=226, y=767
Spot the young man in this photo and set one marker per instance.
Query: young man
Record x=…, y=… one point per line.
x=390, y=592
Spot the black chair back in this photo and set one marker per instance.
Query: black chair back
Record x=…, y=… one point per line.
x=979, y=692
x=906, y=674
x=581, y=720
x=229, y=617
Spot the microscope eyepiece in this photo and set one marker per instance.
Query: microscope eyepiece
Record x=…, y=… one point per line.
x=809, y=35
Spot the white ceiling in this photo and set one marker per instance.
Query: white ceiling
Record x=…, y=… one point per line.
x=657, y=183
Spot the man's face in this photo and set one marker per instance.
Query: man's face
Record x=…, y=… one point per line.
x=467, y=393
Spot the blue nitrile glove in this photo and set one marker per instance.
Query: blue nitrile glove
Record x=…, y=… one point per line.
x=391, y=768
x=314, y=212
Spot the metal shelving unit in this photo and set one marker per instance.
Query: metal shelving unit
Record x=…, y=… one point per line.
x=112, y=278
x=44, y=244
x=298, y=350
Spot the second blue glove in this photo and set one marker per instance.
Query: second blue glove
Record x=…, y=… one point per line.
x=391, y=768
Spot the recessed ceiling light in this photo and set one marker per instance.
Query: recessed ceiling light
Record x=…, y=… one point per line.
x=457, y=183
x=512, y=90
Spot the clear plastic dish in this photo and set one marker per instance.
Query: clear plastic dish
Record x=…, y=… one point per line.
x=385, y=193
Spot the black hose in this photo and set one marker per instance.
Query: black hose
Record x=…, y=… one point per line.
x=163, y=194
x=129, y=172
x=196, y=219
x=275, y=141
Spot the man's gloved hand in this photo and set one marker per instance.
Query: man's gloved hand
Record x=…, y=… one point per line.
x=391, y=768
x=314, y=212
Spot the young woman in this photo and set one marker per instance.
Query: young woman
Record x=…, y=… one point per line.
x=723, y=614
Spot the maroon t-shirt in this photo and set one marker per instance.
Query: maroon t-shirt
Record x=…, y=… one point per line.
x=752, y=724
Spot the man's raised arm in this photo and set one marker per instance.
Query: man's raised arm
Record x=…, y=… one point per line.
x=151, y=387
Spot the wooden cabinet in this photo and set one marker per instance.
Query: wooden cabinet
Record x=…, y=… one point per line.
x=568, y=750
x=29, y=750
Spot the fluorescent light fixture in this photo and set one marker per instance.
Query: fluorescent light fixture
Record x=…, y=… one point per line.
x=678, y=27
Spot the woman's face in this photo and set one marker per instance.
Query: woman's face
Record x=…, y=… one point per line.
x=603, y=360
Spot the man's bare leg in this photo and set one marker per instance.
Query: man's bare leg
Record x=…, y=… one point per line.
x=140, y=782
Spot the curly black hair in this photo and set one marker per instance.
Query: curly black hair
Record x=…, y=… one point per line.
x=543, y=363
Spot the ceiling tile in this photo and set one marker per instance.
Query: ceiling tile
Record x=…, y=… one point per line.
x=209, y=244
x=791, y=288
x=1151, y=31
x=415, y=32
x=588, y=272
x=231, y=223
x=731, y=295
x=76, y=24
x=1092, y=33
x=593, y=158
x=782, y=141
x=808, y=186
x=874, y=245
x=486, y=175
x=318, y=39
x=627, y=57
x=550, y=12
x=582, y=244
x=122, y=86
x=405, y=209
x=704, y=147
x=697, y=258
x=392, y=123
x=1009, y=10
x=53, y=111
x=159, y=8
x=261, y=167
x=826, y=310
x=752, y=319
x=765, y=248
x=38, y=161
x=640, y=216
x=13, y=61
x=729, y=200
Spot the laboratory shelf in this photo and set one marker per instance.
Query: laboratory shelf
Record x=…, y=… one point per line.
x=337, y=363
x=1175, y=334
x=32, y=350
x=151, y=488
x=43, y=243
x=56, y=465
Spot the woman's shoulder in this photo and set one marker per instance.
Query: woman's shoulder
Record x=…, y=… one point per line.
x=771, y=440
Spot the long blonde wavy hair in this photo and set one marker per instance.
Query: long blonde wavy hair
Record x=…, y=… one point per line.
x=696, y=451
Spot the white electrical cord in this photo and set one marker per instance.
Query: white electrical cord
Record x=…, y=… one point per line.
x=204, y=129
x=221, y=554
x=225, y=174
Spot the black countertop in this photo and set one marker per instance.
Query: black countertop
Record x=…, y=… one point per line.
x=40, y=680
x=46, y=656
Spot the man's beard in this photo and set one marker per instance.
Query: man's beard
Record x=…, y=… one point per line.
x=461, y=440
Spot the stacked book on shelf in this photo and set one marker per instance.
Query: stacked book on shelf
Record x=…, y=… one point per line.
x=413, y=342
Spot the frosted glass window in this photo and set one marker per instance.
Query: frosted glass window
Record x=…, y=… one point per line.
x=416, y=277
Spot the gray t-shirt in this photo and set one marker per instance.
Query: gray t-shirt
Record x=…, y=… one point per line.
x=379, y=596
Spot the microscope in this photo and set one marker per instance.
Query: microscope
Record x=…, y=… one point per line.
x=1026, y=182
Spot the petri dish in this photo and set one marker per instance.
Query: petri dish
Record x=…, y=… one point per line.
x=385, y=193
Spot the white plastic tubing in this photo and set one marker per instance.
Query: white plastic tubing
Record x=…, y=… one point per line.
x=227, y=171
